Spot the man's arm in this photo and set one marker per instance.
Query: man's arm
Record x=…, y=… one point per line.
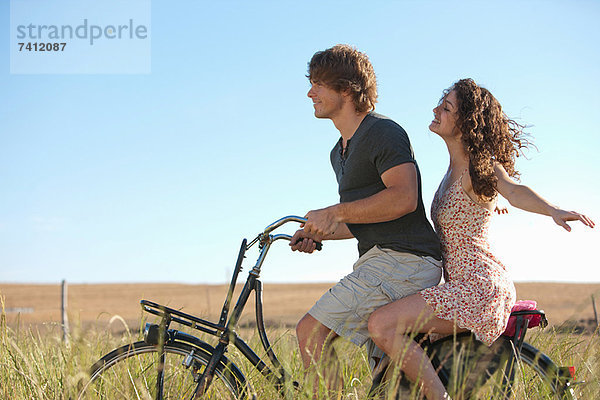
x=399, y=198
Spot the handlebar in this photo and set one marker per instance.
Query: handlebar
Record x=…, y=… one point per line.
x=282, y=221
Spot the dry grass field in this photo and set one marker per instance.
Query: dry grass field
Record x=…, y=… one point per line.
x=37, y=364
x=284, y=303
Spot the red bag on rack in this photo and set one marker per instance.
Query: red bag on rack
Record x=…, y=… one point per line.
x=522, y=305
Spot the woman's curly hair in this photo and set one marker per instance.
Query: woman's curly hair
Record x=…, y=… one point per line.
x=488, y=136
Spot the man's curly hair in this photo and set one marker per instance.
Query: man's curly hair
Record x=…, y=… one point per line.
x=488, y=136
x=342, y=68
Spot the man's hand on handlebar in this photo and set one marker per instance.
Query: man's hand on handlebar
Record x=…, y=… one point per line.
x=321, y=223
x=304, y=242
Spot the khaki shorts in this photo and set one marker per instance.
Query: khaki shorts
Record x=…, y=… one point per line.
x=380, y=276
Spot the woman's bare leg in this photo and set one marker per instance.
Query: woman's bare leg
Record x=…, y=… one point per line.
x=389, y=326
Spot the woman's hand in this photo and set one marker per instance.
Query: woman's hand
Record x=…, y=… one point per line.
x=561, y=217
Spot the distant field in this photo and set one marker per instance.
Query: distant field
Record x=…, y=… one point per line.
x=284, y=303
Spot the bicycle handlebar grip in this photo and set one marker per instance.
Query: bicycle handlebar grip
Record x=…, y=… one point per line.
x=319, y=244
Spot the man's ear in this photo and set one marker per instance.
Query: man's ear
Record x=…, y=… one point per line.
x=347, y=96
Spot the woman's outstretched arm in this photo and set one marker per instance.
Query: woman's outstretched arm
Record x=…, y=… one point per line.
x=525, y=198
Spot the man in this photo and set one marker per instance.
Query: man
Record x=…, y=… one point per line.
x=380, y=205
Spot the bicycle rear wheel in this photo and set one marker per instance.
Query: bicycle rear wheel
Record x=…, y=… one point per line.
x=542, y=378
x=471, y=369
x=131, y=371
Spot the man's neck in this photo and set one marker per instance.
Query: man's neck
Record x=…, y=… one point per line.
x=347, y=123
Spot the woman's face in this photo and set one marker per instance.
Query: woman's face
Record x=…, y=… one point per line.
x=445, y=116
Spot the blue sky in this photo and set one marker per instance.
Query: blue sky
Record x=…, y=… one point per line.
x=158, y=176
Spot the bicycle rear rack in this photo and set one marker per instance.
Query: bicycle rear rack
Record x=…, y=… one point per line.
x=522, y=324
x=182, y=318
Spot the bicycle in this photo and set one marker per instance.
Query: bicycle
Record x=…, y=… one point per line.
x=170, y=364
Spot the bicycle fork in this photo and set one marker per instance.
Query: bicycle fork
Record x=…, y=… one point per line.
x=206, y=378
x=162, y=338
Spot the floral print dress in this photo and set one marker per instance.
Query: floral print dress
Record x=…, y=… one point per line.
x=477, y=293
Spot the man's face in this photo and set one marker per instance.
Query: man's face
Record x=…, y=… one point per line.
x=327, y=102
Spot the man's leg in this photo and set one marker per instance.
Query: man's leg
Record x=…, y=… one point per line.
x=408, y=275
x=315, y=342
x=312, y=337
x=379, y=277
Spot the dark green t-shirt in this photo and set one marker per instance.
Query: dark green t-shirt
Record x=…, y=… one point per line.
x=378, y=145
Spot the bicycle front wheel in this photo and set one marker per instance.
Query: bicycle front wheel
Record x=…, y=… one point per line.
x=132, y=372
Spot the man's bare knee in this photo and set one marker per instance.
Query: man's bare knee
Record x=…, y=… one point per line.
x=313, y=336
x=377, y=324
x=309, y=328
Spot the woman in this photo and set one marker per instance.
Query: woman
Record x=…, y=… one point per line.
x=477, y=294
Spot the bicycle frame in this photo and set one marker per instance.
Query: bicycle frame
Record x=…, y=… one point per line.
x=225, y=329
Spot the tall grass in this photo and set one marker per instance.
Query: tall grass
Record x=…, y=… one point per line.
x=37, y=364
